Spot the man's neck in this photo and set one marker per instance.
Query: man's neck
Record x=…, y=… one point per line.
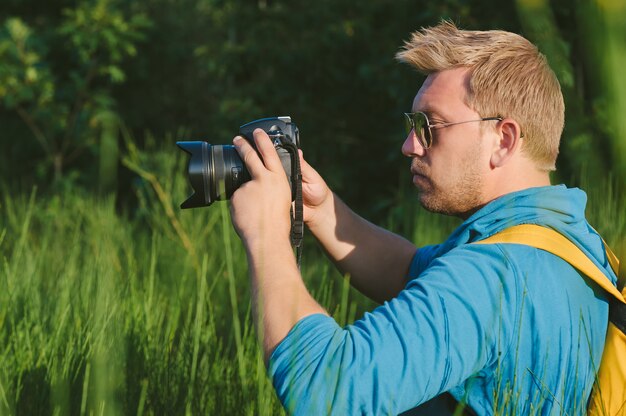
x=507, y=184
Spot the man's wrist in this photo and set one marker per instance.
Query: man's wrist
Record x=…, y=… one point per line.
x=323, y=215
x=267, y=244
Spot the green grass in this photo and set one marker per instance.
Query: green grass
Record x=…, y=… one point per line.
x=140, y=313
x=148, y=312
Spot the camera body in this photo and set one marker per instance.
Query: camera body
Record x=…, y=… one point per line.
x=216, y=171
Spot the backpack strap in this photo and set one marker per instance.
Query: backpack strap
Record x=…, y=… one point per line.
x=608, y=396
x=555, y=243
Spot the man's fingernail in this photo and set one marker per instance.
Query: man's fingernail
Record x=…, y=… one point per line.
x=237, y=139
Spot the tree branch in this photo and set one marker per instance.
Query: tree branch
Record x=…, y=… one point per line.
x=34, y=128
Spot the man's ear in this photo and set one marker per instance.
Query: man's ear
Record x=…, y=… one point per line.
x=509, y=143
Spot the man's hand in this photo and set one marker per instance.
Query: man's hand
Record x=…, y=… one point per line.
x=316, y=195
x=260, y=207
x=260, y=214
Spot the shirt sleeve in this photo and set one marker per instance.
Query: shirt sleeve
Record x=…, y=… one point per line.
x=422, y=258
x=443, y=328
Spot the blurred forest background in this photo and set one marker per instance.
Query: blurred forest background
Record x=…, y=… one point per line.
x=113, y=300
x=75, y=76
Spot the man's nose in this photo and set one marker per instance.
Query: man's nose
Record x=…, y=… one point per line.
x=412, y=146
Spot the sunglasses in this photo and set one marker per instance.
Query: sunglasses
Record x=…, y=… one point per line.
x=419, y=123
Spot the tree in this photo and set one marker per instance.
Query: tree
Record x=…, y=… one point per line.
x=57, y=79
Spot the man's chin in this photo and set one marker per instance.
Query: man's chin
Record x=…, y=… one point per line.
x=436, y=205
x=428, y=202
x=429, y=197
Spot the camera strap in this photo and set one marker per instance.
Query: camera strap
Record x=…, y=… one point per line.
x=297, y=210
x=297, y=219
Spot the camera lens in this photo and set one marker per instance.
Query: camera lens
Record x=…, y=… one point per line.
x=229, y=171
x=215, y=172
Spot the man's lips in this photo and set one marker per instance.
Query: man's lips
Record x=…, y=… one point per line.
x=419, y=177
x=418, y=171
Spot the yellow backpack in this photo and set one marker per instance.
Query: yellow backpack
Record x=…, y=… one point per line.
x=608, y=397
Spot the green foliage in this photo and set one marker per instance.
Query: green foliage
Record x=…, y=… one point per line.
x=209, y=66
x=108, y=314
x=610, y=42
x=102, y=37
x=584, y=43
x=205, y=67
x=56, y=77
x=22, y=80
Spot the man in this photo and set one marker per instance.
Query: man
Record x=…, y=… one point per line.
x=504, y=328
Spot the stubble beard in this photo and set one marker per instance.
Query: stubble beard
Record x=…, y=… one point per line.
x=458, y=193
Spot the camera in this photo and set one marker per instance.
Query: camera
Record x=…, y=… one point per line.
x=216, y=171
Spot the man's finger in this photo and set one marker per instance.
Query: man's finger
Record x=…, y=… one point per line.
x=267, y=151
x=249, y=156
x=309, y=175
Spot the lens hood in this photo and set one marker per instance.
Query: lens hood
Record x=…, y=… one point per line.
x=200, y=165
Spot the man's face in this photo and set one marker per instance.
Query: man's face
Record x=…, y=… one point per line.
x=450, y=174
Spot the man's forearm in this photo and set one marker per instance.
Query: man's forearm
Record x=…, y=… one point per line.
x=376, y=259
x=279, y=295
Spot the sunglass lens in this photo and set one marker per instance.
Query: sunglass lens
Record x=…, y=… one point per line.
x=420, y=124
x=422, y=130
x=408, y=122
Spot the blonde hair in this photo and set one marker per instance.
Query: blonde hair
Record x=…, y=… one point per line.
x=508, y=78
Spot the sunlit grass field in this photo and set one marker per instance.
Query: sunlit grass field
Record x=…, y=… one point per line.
x=147, y=312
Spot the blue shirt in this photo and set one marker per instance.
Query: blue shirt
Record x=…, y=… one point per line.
x=506, y=328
